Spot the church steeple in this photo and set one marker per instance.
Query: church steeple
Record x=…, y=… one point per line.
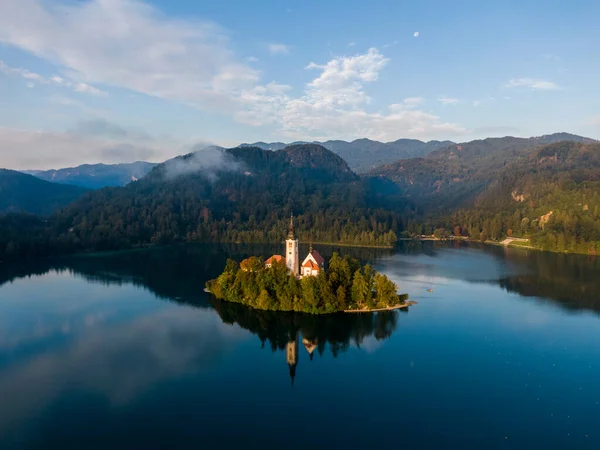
x=291, y=227
x=292, y=258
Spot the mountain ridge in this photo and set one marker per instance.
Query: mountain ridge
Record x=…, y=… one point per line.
x=96, y=176
x=452, y=176
x=23, y=193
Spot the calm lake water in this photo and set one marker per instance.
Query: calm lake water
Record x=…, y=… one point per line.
x=126, y=351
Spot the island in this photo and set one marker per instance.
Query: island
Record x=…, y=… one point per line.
x=281, y=283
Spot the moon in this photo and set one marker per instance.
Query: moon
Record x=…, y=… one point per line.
x=416, y=34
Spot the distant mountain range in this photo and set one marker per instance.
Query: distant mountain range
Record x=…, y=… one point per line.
x=484, y=188
x=96, y=176
x=453, y=175
x=23, y=193
x=363, y=155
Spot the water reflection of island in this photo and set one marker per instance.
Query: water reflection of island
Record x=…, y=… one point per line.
x=283, y=331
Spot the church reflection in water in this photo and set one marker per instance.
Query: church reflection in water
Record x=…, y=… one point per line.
x=291, y=353
x=335, y=333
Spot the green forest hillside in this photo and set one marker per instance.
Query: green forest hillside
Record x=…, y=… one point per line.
x=553, y=197
x=22, y=193
x=453, y=176
x=235, y=195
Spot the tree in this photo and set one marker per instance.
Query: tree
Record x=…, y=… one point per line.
x=342, y=300
x=359, y=290
x=264, y=300
x=385, y=291
x=440, y=233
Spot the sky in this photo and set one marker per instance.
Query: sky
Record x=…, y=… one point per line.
x=87, y=81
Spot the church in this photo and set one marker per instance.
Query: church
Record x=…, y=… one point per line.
x=312, y=265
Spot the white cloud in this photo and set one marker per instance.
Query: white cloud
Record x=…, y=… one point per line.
x=141, y=50
x=191, y=62
x=82, y=87
x=333, y=105
x=444, y=100
x=416, y=34
x=27, y=149
x=351, y=44
x=532, y=83
x=251, y=59
x=55, y=80
x=413, y=101
x=279, y=49
x=74, y=103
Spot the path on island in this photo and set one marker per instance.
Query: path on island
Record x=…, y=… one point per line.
x=389, y=308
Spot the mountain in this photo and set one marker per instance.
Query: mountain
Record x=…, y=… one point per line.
x=452, y=176
x=20, y=192
x=96, y=176
x=363, y=155
x=244, y=194
x=552, y=197
x=266, y=146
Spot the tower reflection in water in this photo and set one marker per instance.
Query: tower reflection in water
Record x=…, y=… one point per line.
x=291, y=353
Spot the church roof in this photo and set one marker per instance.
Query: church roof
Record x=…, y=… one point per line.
x=318, y=258
x=309, y=263
x=273, y=259
x=309, y=345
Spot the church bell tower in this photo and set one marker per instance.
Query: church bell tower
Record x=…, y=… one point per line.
x=291, y=250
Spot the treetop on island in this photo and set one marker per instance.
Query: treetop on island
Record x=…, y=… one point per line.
x=344, y=285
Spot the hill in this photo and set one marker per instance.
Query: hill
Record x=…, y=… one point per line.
x=551, y=197
x=235, y=195
x=452, y=176
x=363, y=155
x=20, y=193
x=96, y=176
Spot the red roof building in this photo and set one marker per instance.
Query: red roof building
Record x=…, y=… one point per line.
x=312, y=264
x=274, y=259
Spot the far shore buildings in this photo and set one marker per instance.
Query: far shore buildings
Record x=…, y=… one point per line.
x=312, y=265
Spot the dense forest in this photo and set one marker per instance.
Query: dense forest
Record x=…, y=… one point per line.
x=537, y=188
x=553, y=198
x=237, y=195
x=344, y=285
x=23, y=193
x=452, y=177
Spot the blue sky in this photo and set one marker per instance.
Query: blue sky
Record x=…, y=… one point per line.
x=85, y=81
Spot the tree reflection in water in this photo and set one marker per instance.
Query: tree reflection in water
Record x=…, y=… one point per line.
x=282, y=331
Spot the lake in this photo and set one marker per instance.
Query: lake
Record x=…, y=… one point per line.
x=126, y=351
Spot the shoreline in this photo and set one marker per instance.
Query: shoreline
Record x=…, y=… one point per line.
x=510, y=245
x=389, y=308
x=345, y=311
x=389, y=247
